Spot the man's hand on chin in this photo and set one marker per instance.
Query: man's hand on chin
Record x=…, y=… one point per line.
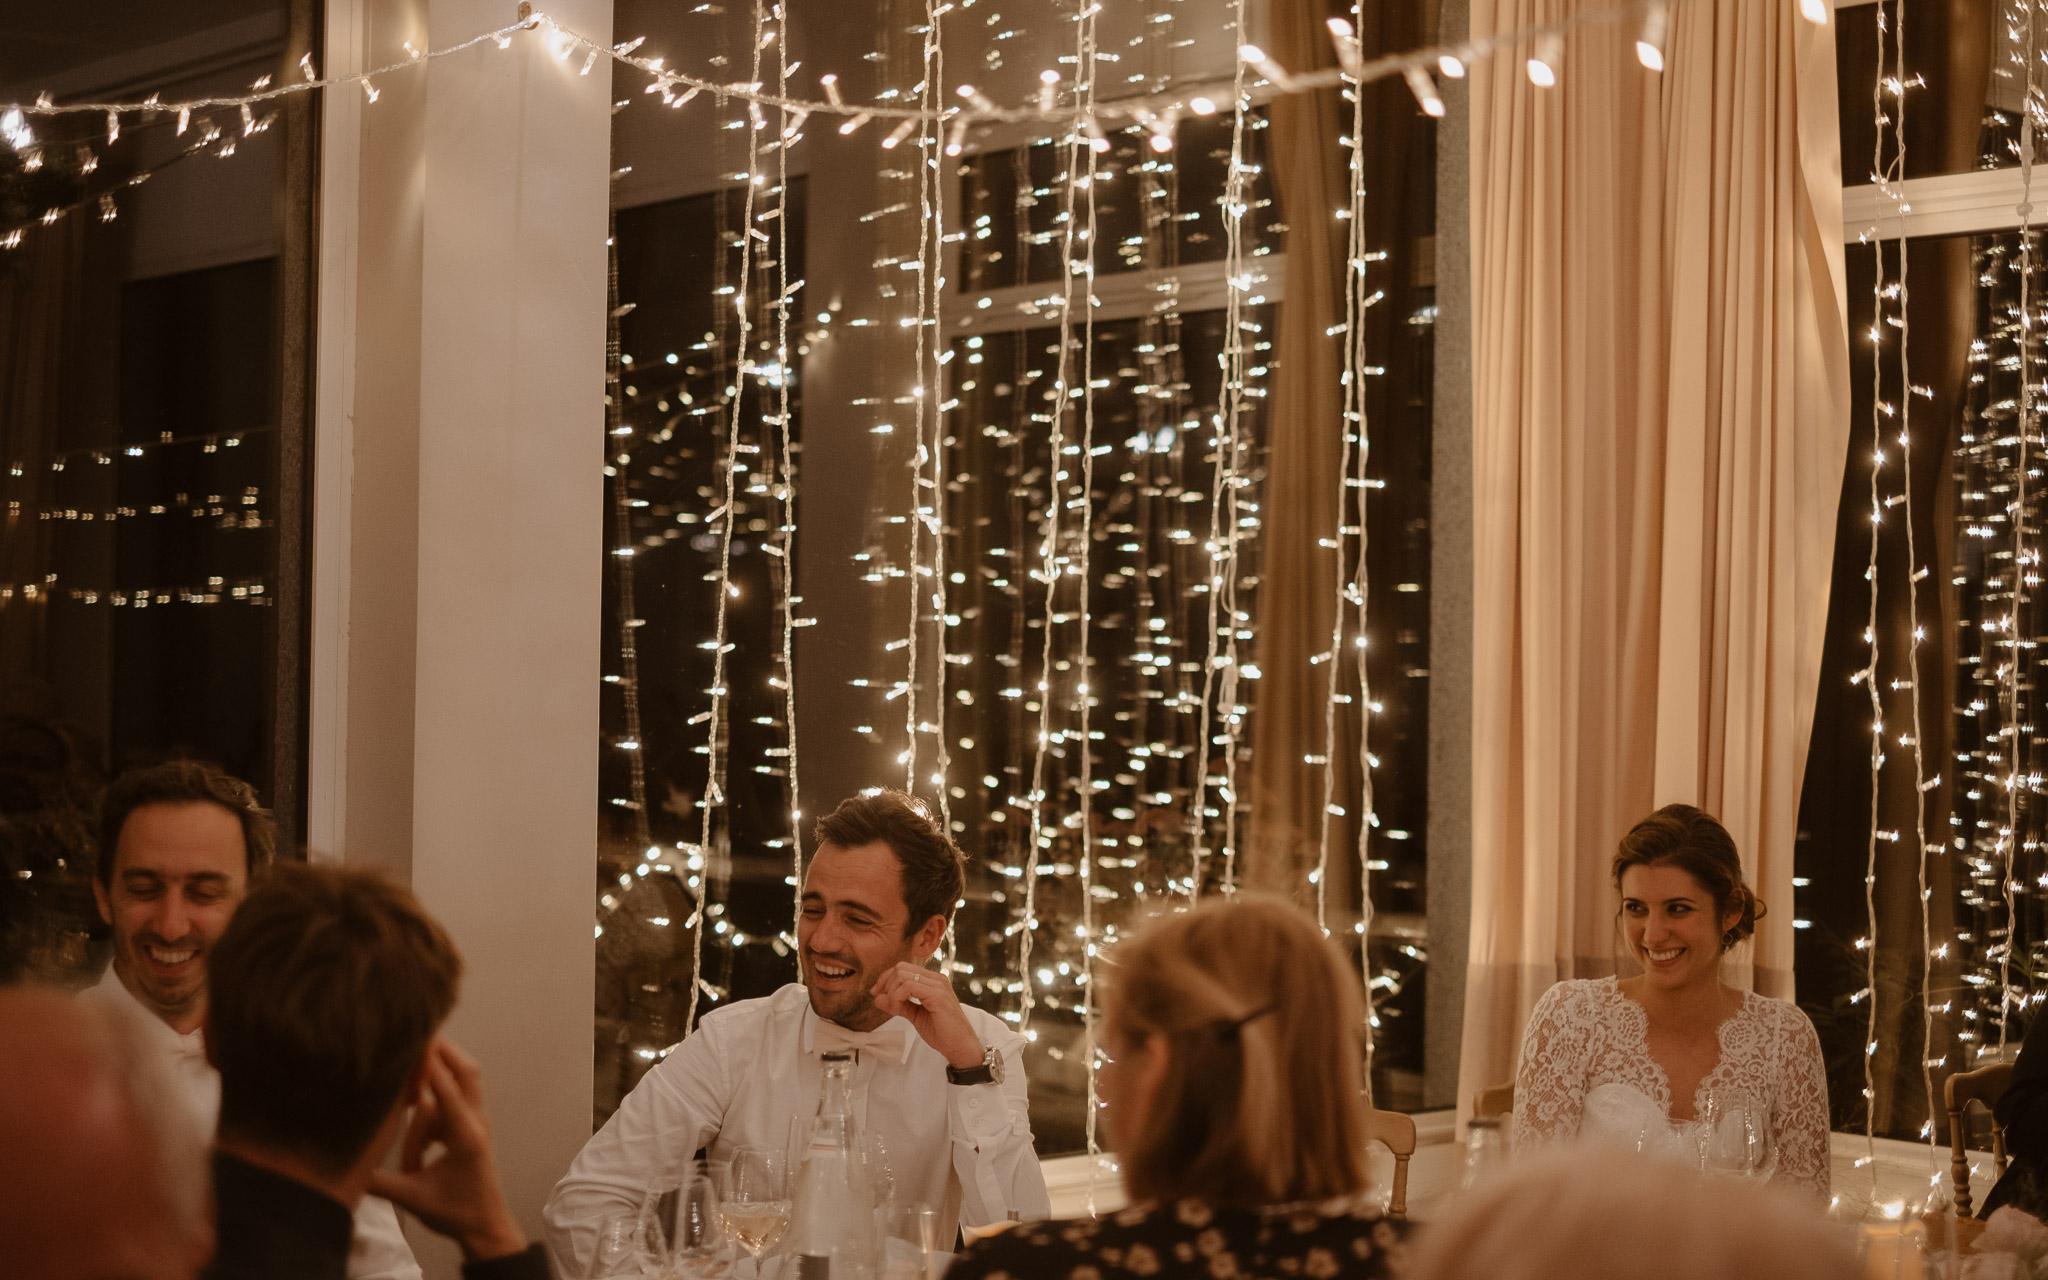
x=926, y=999
x=458, y=1193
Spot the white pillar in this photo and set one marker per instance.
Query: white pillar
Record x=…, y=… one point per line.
x=459, y=530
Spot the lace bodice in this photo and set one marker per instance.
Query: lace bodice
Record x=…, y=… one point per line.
x=1587, y=1034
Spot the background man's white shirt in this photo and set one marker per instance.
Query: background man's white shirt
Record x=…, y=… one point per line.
x=379, y=1250
x=752, y=1067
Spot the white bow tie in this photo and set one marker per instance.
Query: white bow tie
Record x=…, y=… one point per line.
x=889, y=1041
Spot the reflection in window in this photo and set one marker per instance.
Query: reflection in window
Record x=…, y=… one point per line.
x=153, y=440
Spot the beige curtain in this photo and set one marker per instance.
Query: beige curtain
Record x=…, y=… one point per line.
x=1660, y=420
x=1304, y=430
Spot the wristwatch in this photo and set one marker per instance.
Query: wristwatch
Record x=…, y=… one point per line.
x=989, y=1071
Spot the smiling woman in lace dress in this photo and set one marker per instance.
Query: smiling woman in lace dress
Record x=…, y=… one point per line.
x=1637, y=1062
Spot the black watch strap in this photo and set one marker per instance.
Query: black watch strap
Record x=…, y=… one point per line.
x=983, y=1072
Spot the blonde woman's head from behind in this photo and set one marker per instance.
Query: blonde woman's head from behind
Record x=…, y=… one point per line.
x=1235, y=1033
x=1584, y=1213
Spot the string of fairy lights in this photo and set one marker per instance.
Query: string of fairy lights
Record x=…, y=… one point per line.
x=1086, y=71
x=2022, y=559
x=1882, y=175
x=1354, y=485
x=1916, y=573
x=1881, y=410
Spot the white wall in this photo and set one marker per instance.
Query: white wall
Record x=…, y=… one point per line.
x=458, y=532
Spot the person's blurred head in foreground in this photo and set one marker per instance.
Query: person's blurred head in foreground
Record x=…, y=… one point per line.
x=1586, y=1213
x=102, y=1170
x=326, y=989
x=1236, y=1075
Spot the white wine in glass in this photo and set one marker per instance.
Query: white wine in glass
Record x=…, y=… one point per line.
x=756, y=1223
x=756, y=1207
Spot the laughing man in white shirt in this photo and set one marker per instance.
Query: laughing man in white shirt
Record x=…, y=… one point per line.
x=179, y=844
x=941, y=1084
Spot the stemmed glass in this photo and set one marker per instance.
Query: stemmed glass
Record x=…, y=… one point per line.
x=624, y=1249
x=686, y=1222
x=756, y=1206
x=909, y=1237
x=1735, y=1137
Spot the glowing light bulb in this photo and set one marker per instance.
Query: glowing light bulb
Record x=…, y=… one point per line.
x=1544, y=62
x=1650, y=45
x=1424, y=89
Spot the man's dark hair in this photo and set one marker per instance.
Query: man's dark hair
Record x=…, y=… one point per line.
x=323, y=994
x=185, y=782
x=934, y=872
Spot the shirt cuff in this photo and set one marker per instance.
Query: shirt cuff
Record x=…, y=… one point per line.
x=984, y=1109
x=530, y=1263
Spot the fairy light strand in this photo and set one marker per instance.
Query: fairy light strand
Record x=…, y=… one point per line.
x=786, y=463
x=1084, y=90
x=1229, y=445
x=714, y=799
x=1913, y=576
x=211, y=140
x=1869, y=942
x=1354, y=372
x=1221, y=476
x=2015, y=649
x=1129, y=110
x=634, y=745
x=1049, y=556
x=931, y=362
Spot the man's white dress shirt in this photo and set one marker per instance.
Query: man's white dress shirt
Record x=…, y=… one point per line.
x=379, y=1250
x=753, y=1066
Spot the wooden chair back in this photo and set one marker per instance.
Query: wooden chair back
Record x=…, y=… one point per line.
x=1986, y=1085
x=1496, y=1100
x=1397, y=1133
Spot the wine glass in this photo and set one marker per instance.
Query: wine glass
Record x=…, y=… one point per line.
x=700, y=1248
x=1735, y=1137
x=688, y=1230
x=756, y=1207
x=909, y=1236
x=623, y=1249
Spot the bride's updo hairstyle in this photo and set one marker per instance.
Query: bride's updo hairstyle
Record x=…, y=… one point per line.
x=1692, y=840
x=1263, y=1096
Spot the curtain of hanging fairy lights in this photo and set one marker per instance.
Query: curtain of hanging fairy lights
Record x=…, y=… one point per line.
x=1140, y=590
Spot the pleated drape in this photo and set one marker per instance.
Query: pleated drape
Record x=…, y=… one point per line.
x=1660, y=420
x=1304, y=431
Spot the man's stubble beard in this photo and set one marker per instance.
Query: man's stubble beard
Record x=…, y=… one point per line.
x=136, y=977
x=857, y=1014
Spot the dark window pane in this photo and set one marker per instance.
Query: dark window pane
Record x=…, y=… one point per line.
x=153, y=430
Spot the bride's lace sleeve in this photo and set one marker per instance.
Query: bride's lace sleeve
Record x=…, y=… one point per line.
x=1802, y=1120
x=1550, y=1083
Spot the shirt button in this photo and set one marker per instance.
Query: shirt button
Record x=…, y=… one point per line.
x=973, y=1103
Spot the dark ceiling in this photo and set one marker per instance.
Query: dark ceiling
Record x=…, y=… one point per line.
x=39, y=39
